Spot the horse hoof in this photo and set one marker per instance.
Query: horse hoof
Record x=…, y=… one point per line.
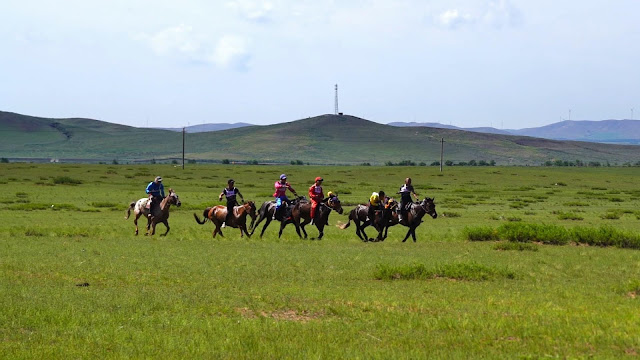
x=371, y=239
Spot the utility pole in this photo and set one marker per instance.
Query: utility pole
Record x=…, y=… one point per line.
x=183, y=131
x=441, y=153
x=336, y=103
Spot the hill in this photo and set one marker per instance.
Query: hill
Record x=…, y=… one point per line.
x=605, y=131
x=325, y=139
x=209, y=127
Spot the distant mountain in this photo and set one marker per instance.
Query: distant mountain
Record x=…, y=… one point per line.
x=486, y=130
x=605, y=131
x=324, y=139
x=209, y=127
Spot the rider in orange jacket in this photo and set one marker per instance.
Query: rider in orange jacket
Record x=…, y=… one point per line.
x=316, y=195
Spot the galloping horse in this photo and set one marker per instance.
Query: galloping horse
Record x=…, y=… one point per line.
x=381, y=222
x=160, y=214
x=302, y=210
x=266, y=212
x=414, y=216
x=218, y=214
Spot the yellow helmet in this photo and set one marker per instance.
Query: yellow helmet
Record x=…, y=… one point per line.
x=331, y=194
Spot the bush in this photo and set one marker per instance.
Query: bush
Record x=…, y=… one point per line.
x=65, y=180
x=606, y=236
x=4, y=160
x=460, y=271
x=506, y=246
x=480, y=233
x=546, y=234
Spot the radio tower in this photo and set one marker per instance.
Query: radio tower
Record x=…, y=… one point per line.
x=336, y=109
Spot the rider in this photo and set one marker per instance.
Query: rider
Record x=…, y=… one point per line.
x=376, y=202
x=230, y=193
x=316, y=195
x=281, y=193
x=406, y=190
x=155, y=190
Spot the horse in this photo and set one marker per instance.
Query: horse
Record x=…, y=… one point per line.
x=381, y=222
x=267, y=210
x=160, y=213
x=218, y=214
x=302, y=210
x=414, y=215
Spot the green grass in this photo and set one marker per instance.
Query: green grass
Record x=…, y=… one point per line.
x=76, y=283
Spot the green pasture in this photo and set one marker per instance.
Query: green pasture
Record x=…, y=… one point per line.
x=76, y=283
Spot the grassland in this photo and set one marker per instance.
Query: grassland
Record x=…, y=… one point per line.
x=76, y=283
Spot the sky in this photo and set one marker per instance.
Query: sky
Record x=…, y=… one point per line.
x=509, y=64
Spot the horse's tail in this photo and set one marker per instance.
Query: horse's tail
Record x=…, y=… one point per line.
x=131, y=206
x=352, y=214
x=204, y=214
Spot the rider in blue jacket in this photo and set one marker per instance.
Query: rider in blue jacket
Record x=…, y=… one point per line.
x=155, y=190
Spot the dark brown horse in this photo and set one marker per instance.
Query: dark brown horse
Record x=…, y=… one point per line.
x=415, y=212
x=302, y=211
x=218, y=214
x=381, y=222
x=267, y=210
x=160, y=213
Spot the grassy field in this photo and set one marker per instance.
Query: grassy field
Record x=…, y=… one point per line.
x=188, y=295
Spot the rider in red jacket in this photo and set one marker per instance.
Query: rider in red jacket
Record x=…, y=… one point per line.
x=316, y=195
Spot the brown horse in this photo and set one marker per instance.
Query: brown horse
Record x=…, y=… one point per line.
x=381, y=222
x=218, y=214
x=302, y=210
x=160, y=213
x=415, y=212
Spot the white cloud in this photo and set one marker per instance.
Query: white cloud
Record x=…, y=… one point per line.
x=231, y=52
x=453, y=18
x=174, y=39
x=252, y=10
x=502, y=13
x=182, y=42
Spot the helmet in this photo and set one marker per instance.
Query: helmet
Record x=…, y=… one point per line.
x=283, y=177
x=331, y=194
x=230, y=181
x=319, y=179
x=158, y=178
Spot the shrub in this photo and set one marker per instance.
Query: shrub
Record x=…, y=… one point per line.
x=65, y=180
x=480, y=233
x=4, y=160
x=546, y=234
x=506, y=246
x=606, y=235
x=460, y=271
x=226, y=161
x=569, y=216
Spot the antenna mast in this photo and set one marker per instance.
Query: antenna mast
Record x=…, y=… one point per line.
x=336, y=105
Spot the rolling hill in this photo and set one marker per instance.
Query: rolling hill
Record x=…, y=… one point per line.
x=605, y=131
x=325, y=139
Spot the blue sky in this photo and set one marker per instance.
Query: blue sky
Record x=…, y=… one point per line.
x=501, y=63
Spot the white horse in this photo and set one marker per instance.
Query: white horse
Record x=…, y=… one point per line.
x=160, y=215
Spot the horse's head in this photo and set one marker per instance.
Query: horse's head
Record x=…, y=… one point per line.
x=429, y=207
x=391, y=204
x=173, y=198
x=334, y=203
x=250, y=207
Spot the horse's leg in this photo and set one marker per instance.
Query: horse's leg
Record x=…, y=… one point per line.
x=408, y=233
x=135, y=221
x=302, y=225
x=268, y=221
x=413, y=233
x=255, y=225
x=166, y=223
x=320, y=231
